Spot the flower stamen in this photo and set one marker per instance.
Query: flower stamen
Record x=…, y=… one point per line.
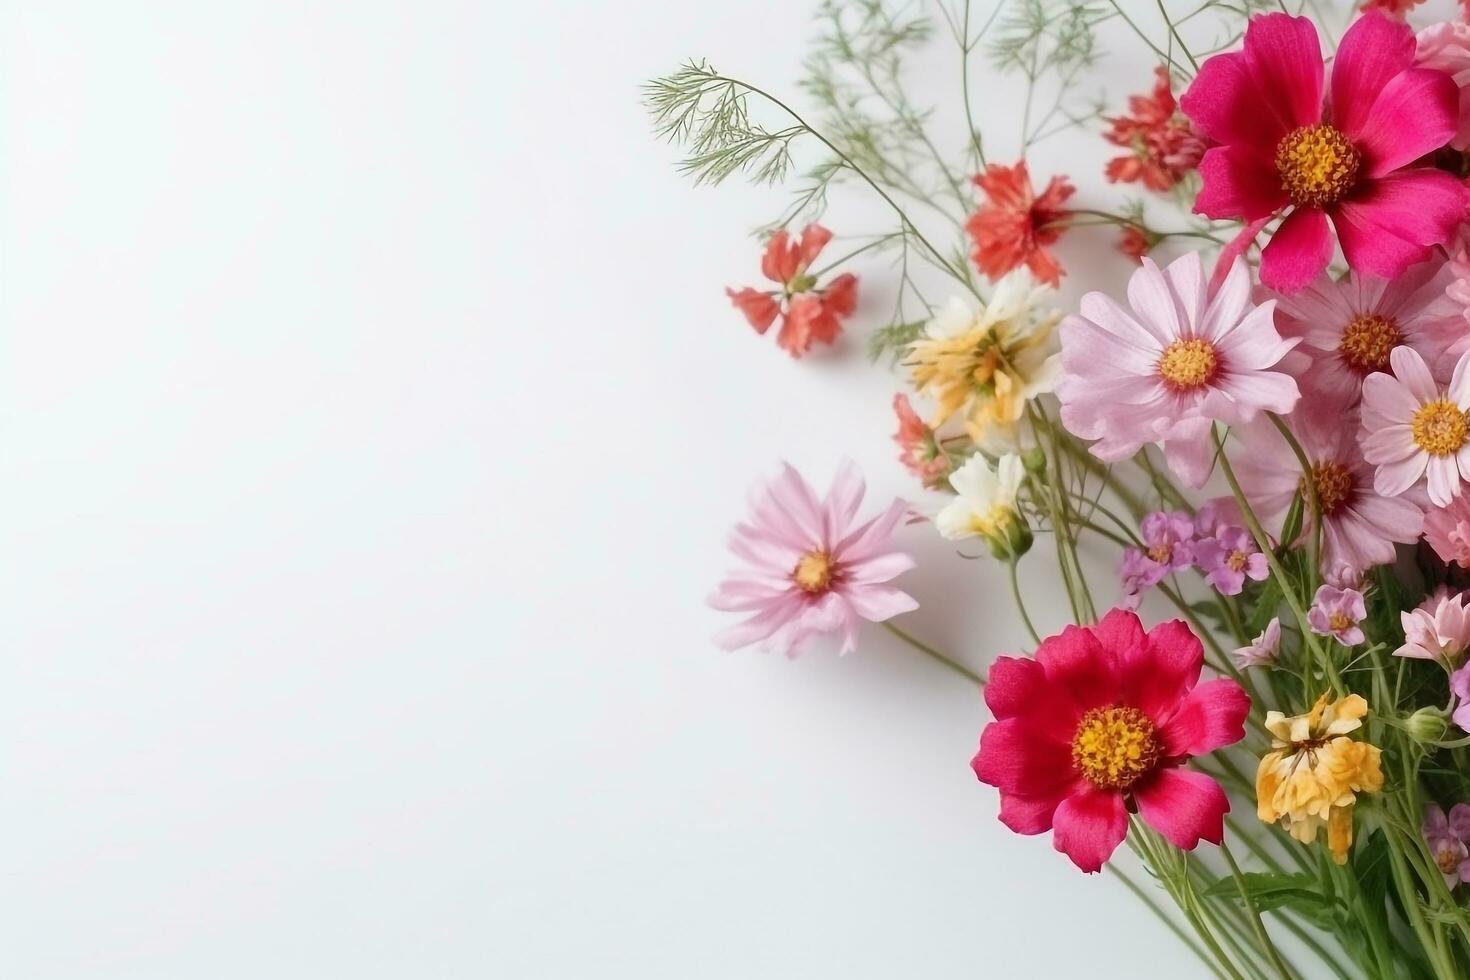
x=1439, y=427
x=813, y=572
x=1188, y=364
x=1367, y=341
x=1334, y=483
x=1318, y=165
x=1115, y=747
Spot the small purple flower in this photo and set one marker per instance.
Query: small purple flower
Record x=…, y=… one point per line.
x=1167, y=547
x=1460, y=688
x=1446, y=837
x=1263, y=649
x=1344, y=576
x=1337, y=613
x=1215, y=514
x=1229, y=557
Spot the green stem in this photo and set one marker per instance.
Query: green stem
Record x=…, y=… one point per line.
x=925, y=648
x=1020, y=604
x=1257, y=926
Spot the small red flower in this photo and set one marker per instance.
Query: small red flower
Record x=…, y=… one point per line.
x=919, y=450
x=1396, y=8
x=1133, y=243
x=1014, y=226
x=1099, y=725
x=1164, y=147
x=808, y=314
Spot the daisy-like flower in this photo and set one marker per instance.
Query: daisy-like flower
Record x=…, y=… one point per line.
x=1014, y=226
x=1228, y=558
x=1414, y=428
x=919, y=449
x=1350, y=326
x=1336, y=613
x=1278, y=150
x=1163, y=148
x=1099, y=725
x=1313, y=775
x=1359, y=526
x=1263, y=650
x=1446, y=837
x=1446, y=47
x=1163, y=370
x=1447, y=529
x=808, y=313
x=1437, y=629
x=985, y=506
x=811, y=568
x=986, y=364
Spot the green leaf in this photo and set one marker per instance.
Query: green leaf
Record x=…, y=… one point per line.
x=1299, y=893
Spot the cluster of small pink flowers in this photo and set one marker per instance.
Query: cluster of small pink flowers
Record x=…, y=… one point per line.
x=1171, y=541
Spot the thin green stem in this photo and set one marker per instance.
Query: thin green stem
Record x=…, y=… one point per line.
x=1020, y=603
x=1257, y=926
x=925, y=648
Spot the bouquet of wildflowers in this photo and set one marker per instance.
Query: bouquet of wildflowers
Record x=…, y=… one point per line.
x=1268, y=424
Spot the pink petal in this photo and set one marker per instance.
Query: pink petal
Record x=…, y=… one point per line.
x=1256, y=392
x=744, y=595
x=1443, y=480
x=1186, y=807
x=1394, y=518
x=1075, y=661
x=843, y=500
x=1416, y=113
x=1239, y=182
x=1210, y=717
x=1089, y=825
x=872, y=538
x=1389, y=444
x=1160, y=672
x=879, y=568
x=1298, y=252
x=794, y=496
x=1459, y=821
x=1409, y=367
x=1013, y=760
x=814, y=238
x=759, y=626
x=1372, y=52
x=1190, y=455
x=1392, y=479
x=875, y=603
x=1387, y=401
x=1388, y=224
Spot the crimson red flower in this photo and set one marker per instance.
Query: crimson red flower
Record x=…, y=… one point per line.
x=1281, y=151
x=808, y=314
x=1014, y=225
x=1098, y=725
x=1164, y=147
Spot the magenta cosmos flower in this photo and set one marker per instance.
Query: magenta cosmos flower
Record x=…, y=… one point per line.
x=1100, y=724
x=1359, y=525
x=810, y=569
x=1415, y=428
x=1286, y=144
x=1163, y=370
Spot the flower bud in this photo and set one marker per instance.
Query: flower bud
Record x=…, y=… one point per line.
x=1426, y=725
x=1034, y=460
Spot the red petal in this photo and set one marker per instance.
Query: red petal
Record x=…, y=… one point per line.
x=1075, y=661
x=1372, y=52
x=1014, y=760
x=1388, y=224
x=778, y=264
x=1210, y=716
x=1416, y=113
x=760, y=309
x=1185, y=806
x=813, y=239
x=1018, y=688
x=1157, y=674
x=840, y=296
x=1089, y=825
x=1239, y=182
x=1298, y=251
x=1028, y=814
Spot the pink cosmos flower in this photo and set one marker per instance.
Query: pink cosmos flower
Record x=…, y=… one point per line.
x=1279, y=150
x=1098, y=725
x=1446, y=47
x=1447, y=529
x=1228, y=557
x=1263, y=650
x=1439, y=629
x=810, y=568
x=1337, y=613
x=1446, y=837
x=1359, y=526
x=1414, y=428
x=808, y=313
x=1349, y=326
x=1167, y=547
x=1164, y=370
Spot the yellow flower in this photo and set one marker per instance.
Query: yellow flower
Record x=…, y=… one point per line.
x=1313, y=777
x=984, y=365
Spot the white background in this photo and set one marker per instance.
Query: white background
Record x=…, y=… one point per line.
x=372, y=419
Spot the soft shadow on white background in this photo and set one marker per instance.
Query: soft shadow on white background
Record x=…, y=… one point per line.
x=372, y=419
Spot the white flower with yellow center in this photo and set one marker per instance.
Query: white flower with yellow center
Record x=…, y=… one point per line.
x=985, y=505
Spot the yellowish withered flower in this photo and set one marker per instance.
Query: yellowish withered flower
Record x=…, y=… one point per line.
x=984, y=365
x=1314, y=775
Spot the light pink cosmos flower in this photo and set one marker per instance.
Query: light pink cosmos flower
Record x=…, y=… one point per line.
x=1164, y=369
x=1414, y=428
x=1349, y=326
x=1438, y=629
x=1228, y=558
x=810, y=568
x=1359, y=526
x=1263, y=650
x=1167, y=547
x=1446, y=837
x=1337, y=613
x=1446, y=47
x=1447, y=529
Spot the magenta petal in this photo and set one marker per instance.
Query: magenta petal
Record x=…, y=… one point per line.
x=1286, y=62
x=1076, y=662
x=1013, y=760
x=1185, y=807
x=1211, y=716
x=1089, y=825
x=1388, y=224
x=1416, y=113
x=1372, y=52
x=1119, y=632
x=1163, y=670
x=1298, y=252
x=1018, y=688
x=1028, y=814
x=1239, y=181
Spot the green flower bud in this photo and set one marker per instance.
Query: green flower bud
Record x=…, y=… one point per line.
x=1426, y=725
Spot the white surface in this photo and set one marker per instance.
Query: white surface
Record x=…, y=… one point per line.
x=372, y=418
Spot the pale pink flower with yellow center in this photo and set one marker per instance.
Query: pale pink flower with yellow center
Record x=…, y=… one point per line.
x=1359, y=525
x=1167, y=367
x=1337, y=613
x=1447, y=529
x=1228, y=557
x=1263, y=650
x=810, y=568
x=1416, y=429
x=1438, y=629
x=1446, y=47
x=1167, y=547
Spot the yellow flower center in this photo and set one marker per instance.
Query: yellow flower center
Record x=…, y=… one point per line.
x=813, y=572
x=1339, y=621
x=1366, y=342
x=1318, y=165
x=1334, y=486
x=1187, y=364
x=1236, y=561
x=1439, y=428
x=1448, y=858
x=1115, y=747
x=1161, y=553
